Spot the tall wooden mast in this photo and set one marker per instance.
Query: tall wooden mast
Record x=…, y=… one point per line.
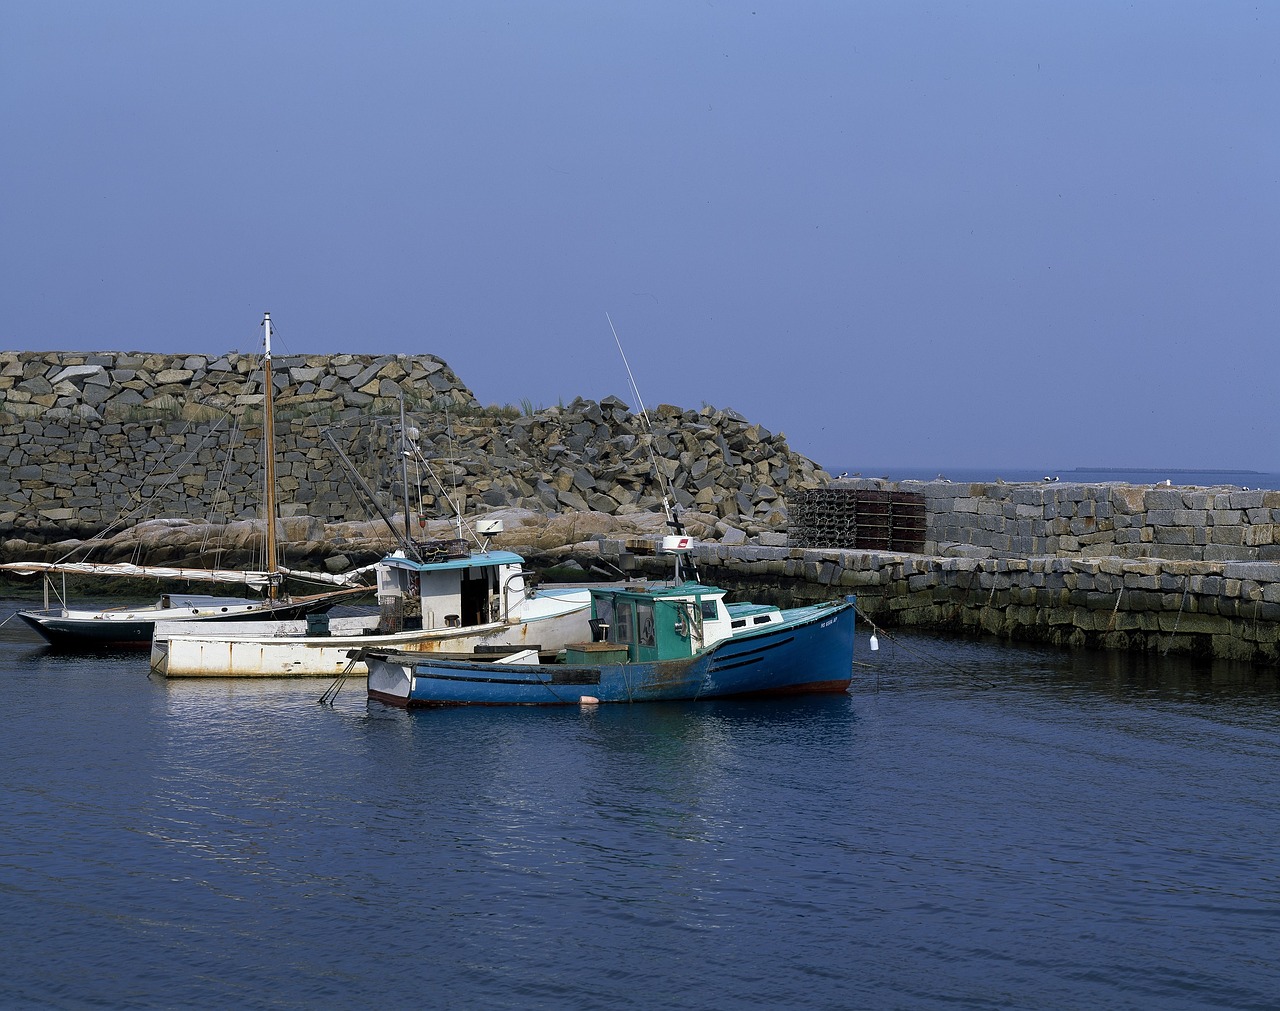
x=269, y=464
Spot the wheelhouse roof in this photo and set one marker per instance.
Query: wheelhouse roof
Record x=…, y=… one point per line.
x=650, y=592
x=475, y=560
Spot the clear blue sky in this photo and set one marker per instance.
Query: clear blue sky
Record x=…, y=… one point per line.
x=1027, y=234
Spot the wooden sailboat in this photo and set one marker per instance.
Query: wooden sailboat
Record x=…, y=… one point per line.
x=133, y=625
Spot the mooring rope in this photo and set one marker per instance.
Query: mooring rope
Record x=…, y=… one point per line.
x=1111, y=625
x=1181, y=604
x=919, y=654
x=331, y=693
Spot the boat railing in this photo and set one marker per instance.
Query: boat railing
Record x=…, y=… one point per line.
x=526, y=589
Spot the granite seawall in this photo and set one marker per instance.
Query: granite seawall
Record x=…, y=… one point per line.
x=1113, y=566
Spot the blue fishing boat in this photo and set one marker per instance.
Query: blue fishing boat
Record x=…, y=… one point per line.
x=650, y=643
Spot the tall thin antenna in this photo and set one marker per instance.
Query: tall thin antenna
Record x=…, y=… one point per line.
x=668, y=507
x=455, y=500
x=627, y=365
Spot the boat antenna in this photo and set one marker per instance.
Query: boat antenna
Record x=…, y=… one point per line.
x=451, y=496
x=669, y=507
x=269, y=463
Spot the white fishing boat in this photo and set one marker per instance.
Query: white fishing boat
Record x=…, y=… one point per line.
x=442, y=599
x=441, y=595
x=127, y=625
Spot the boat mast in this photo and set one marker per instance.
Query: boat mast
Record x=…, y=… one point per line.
x=269, y=464
x=404, y=475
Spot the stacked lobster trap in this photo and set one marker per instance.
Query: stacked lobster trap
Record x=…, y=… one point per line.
x=864, y=518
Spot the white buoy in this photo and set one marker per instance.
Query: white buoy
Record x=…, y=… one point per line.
x=589, y=700
x=875, y=644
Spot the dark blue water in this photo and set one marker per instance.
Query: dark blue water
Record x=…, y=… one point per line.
x=975, y=825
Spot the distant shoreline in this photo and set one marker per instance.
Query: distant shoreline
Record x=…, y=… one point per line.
x=1160, y=470
x=1080, y=475
x=871, y=471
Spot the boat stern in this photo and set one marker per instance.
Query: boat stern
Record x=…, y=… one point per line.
x=159, y=658
x=390, y=677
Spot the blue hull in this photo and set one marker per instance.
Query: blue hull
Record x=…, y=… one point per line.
x=812, y=651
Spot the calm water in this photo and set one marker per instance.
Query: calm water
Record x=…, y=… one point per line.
x=975, y=825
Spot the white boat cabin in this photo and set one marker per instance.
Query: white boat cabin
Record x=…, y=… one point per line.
x=451, y=587
x=745, y=617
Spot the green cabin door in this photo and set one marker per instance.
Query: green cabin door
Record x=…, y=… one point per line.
x=663, y=630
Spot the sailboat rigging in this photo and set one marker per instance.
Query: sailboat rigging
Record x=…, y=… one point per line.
x=134, y=625
x=269, y=461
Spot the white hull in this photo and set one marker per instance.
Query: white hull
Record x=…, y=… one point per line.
x=234, y=650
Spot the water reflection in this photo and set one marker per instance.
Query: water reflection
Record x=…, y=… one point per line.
x=974, y=824
x=915, y=659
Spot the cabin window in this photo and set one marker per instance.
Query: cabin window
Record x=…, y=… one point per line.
x=644, y=618
x=761, y=619
x=738, y=623
x=624, y=625
x=709, y=612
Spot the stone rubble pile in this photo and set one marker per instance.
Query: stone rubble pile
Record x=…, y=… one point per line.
x=598, y=457
x=103, y=442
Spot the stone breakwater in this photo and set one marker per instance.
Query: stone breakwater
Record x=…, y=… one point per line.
x=60, y=387
x=1228, y=610
x=1113, y=566
x=1097, y=520
x=104, y=442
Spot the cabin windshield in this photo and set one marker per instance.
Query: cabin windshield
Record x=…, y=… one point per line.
x=624, y=622
x=646, y=634
x=659, y=627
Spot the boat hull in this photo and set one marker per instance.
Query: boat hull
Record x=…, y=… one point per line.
x=810, y=652
x=236, y=654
